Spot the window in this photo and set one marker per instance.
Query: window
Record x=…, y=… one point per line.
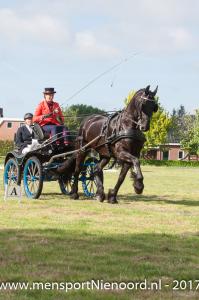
x=9, y=125
x=180, y=154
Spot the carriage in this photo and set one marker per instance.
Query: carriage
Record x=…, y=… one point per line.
x=119, y=136
x=38, y=166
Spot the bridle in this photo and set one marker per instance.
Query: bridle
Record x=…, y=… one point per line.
x=139, y=122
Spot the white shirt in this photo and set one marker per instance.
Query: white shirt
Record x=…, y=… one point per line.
x=29, y=128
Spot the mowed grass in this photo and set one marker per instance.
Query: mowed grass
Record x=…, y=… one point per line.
x=153, y=236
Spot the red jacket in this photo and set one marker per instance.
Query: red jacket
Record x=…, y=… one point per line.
x=43, y=109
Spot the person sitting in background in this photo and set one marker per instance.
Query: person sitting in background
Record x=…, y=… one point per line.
x=49, y=116
x=25, y=137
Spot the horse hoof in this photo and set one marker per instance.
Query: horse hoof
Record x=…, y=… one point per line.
x=101, y=198
x=138, y=191
x=138, y=188
x=74, y=196
x=112, y=201
x=111, y=197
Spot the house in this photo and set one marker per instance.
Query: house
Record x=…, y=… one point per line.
x=8, y=127
x=169, y=151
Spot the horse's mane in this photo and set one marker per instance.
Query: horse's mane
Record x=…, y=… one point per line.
x=141, y=91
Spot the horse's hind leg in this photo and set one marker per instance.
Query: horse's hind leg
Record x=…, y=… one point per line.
x=112, y=194
x=99, y=177
x=79, y=160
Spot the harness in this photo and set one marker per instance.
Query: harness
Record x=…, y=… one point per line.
x=135, y=134
x=117, y=132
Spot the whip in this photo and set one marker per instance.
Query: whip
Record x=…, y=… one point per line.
x=124, y=60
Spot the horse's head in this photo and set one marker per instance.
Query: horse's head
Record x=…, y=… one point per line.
x=144, y=107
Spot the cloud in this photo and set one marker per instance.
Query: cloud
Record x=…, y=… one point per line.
x=17, y=28
x=102, y=29
x=87, y=43
x=148, y=25
x=36, y=28
x=181, y=38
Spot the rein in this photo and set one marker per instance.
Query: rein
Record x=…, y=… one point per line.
x=117, y=133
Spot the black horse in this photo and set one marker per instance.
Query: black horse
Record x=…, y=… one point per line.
x=119, y=136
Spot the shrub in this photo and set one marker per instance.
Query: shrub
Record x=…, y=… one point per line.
x=170, y=163
x=5, y=147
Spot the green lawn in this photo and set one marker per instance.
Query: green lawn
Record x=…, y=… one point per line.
x=153, y=236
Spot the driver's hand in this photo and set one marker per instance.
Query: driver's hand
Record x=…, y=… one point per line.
x=46, y=116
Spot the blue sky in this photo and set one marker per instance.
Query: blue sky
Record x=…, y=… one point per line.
x=65, y=44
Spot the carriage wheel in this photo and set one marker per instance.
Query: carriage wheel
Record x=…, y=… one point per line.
x=65, y=185
x=87, y=177
x=11, y=172
x=33, y=178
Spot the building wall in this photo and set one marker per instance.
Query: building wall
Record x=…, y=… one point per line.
x=159, y=156
x=173, y=153
x=8, y=133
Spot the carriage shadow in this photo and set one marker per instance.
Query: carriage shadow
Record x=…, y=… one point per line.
x=129, y=198
x=59, y=196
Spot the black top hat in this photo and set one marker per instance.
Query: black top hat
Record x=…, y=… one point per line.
x=49, y=91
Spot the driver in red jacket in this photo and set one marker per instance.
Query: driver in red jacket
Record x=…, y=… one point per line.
x=49, y=116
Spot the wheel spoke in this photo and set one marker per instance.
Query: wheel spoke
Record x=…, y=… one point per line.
x=31, y=168
x=37, y=184
x=87, y=183
x=34, y=170
x=30, y=186
x=33, y=187
x=29, y=171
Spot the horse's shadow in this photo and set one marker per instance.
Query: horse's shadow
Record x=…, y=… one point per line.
x=129, y=198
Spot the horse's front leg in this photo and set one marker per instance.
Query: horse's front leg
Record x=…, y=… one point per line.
x=137, y=180
x=137, y=176
x=99, y=177
x=112, y=194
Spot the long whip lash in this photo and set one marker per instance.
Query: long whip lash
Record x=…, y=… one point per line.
x=124, y=60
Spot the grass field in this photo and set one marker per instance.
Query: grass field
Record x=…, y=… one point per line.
x=153, y=236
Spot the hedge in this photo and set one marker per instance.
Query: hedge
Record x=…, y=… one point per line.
x=170, y=163
x=5, y=147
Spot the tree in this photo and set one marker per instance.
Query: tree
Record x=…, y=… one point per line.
x=129, y=97
x=181, y=124
x=74, y=114
x=190, y=140
x=159, y=128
